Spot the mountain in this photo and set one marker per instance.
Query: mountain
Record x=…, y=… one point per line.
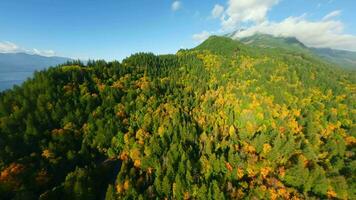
x=269, y=41
x=342, y=58
x=220, y=45
x=17, y=67
x=224, y=120
x=19, y=62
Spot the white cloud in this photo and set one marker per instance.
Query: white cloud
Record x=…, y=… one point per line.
x=8, y=47
x=217, y=11
x=246, y=11
x=47, y=53
x=324, y=33
x=176, y=5
x=332, y=15
x=201, y=36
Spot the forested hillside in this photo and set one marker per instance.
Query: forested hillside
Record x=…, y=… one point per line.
x=224, y=120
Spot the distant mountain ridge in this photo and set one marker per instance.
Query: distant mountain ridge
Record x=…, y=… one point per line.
x=14, y=62
x=342, y=58
x=17, y=67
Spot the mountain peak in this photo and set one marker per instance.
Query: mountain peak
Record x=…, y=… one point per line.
x=220, y=45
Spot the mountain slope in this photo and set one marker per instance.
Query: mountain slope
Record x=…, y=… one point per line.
x=269, y=41
x=224, y=120
x=344, y=59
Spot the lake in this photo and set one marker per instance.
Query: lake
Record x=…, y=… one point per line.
x=9, y=79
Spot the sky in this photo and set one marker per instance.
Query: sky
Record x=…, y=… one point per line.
x=115, y=29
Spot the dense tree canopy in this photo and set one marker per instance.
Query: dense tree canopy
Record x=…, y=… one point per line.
x=221, y=121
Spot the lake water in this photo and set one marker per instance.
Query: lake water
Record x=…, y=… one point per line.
x=9, y=79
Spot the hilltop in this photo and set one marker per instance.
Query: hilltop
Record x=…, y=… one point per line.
x=225, y=120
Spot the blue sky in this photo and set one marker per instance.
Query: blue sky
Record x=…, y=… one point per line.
x=114, y=29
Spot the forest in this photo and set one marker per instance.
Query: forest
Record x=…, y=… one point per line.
x=224, y=120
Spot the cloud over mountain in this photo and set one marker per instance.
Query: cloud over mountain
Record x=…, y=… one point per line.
x=9, y=47
x=321, y=33
x=252, y=16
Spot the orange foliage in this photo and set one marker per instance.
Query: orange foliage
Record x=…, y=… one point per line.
x=294, y=126
x=266, y=148
x=273, y=194
x=228, y=166
x=239, y=173
x=47, y=154
x=143, y=83
x=331, y=193
x=119, y=188
x=350, y=141
x=58, y=131
x=123, y=156
x=186, y=196
x=328, y=130
x=249, y=148
x=135, y=154
x=137, y=163
x=120, y=114
x=296, y=112
x=282, y=130
x=118, y=84
x=141, y=135
x=265, y=171
x=282, y=171
x=251, y=172
x=10, y=173
x=304, y=160
x=126, y=184
x=282, y=192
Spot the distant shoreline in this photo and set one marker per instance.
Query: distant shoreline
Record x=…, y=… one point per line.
x=9, y=79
